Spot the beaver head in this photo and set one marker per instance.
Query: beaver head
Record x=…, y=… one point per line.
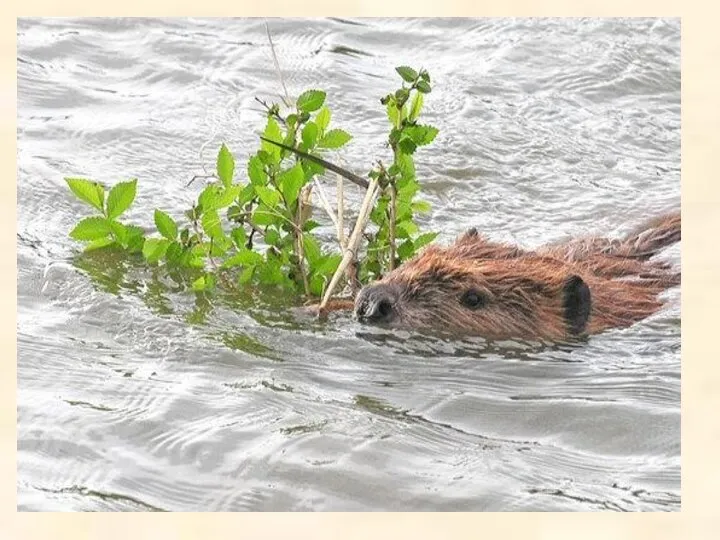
x=477, y=288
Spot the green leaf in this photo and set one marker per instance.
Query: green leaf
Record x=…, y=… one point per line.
x=136, y=238
x=421, y=135
x=211, y=224
x=220, y=245
x=309, y=135
x=227, y=196
x=166, y=225
x=407, y=145
x=392, y=112
x=256, y=171
x=270, y=273
x=246, y=195
x=90, y=228
x=407, y=188
x=311, y=168
x=406, y=250
x=311, y=100
x=246, y=275
x=120, y=198
x=99, y=243
x=174, y=253
x=312, y=250
x=239, y=236
x=272, y=237
x=335, y=138
x=310, y=225
x=209, y=198
x=322, y=120
x=225, y=166
x=120, y=232
x=154, y=249
x=317, y=284
x=406, y=165
x=328, y=264
x=272, y=132
x=265, y=157
x=401, y=96
x=424, y=239
x=87, y=191
x=423, y=87
x=416, y=107
x=199, y=284
x=245, y=257
x=404, y=211
x=421, y=207
x=204, y=283
x=409, y=228
x=264, y=216
x=267, y=195
x=290, y=182
x=407, y=73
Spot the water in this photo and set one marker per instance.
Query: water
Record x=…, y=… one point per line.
x=134, y=397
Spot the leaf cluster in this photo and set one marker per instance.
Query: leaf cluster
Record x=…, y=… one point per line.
x=254, y=225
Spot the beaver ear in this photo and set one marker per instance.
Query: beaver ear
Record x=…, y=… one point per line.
x=470, y=235
x=576, y=304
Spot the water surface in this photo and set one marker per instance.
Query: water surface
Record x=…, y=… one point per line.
x=132, y=396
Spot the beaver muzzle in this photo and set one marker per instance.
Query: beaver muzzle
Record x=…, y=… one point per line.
x=376, y=303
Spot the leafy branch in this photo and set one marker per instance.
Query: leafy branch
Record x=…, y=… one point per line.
x=255, y=227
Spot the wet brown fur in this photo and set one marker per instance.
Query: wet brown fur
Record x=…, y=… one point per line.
x=525, y=292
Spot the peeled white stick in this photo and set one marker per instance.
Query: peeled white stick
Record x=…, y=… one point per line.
x=326, y=204
x=353, y=242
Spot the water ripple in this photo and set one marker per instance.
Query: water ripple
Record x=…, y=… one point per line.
x=132, y=396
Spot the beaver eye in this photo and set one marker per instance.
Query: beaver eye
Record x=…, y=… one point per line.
x=473, y=299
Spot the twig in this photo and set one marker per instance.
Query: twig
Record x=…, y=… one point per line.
x=218, y=270
x=286, y=98
x=200, y=176
x=340, y=211
x=270, y=111
x=393, y=216
x=326, y=206
x=300, y=244
x=355, y=179
x=353, y=242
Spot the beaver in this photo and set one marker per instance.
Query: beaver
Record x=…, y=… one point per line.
x=557, y=292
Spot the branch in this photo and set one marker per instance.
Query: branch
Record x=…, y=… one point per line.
x=200, y=176
x=393, y=218
x=355, y=179
x=353, y=242
x=286, y=98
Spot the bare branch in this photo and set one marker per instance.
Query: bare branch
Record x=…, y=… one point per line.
x=326, y=204
x=355, y=179
x=286, y=98
x=200, y=176
x=353, y=242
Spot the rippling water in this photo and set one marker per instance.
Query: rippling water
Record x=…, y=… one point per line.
x=135, y=397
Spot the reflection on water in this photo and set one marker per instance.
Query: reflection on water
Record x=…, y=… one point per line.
x=135, y=393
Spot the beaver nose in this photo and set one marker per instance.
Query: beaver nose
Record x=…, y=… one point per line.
x=375, y=304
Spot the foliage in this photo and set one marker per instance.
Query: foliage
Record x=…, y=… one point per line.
x=253, y=226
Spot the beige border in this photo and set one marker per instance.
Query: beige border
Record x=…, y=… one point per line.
x=700, y=261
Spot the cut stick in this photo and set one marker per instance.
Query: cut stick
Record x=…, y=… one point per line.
x=353, y=242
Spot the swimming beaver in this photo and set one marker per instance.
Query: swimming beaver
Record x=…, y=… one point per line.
x=559, y=291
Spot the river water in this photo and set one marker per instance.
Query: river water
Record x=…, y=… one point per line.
x=132, y=396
